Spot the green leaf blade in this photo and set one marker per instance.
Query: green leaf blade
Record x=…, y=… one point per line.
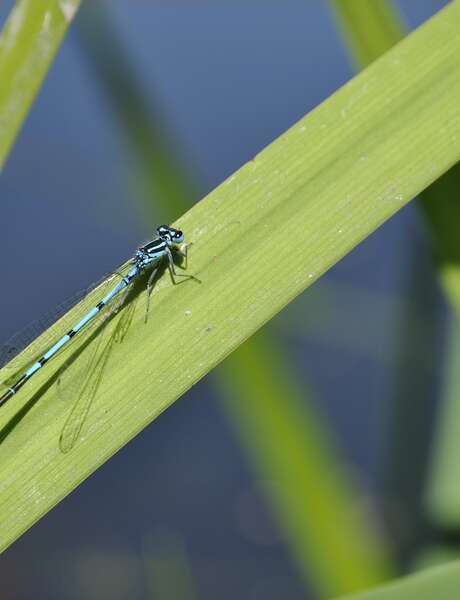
x=29, y=40
x=260, y=239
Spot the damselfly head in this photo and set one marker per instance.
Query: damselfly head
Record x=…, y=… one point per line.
x=171, y=235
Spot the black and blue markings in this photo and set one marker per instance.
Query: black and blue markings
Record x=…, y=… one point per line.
x=149, y=256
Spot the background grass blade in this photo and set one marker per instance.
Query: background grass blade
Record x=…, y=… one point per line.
x=28, y=43
x=369, y=28
x=161, y=180
x=441, y=583
x=260, y=238
x=443, y=492
x=314, y=495
x=442, y=212
x=276, y=438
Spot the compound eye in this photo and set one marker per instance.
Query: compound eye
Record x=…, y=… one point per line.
x=163, y=231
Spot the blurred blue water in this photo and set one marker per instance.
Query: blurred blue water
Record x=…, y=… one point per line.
x=229, y=78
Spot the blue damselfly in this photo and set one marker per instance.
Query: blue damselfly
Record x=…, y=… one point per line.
x=166, y=243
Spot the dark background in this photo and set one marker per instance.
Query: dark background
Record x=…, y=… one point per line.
x=228, y=78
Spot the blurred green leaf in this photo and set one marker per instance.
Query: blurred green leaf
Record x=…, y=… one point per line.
x=157, y=173
x=441, y=207
x=444, y=485
x=440, y=204
x=331, y=536
x=28, y=43
x=441, y=583
x=260, y=238
x=369, y=28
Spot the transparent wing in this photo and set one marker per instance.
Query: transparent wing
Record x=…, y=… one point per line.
x=16, y=367
x=31, y=342
x=80, y=386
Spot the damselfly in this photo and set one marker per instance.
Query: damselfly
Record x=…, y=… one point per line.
x=161, y=249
